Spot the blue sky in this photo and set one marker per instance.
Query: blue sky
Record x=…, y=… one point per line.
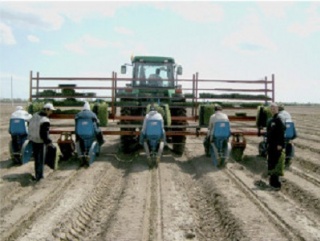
x=219, y=40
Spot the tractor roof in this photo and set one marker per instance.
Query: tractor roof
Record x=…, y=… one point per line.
x=152, y=59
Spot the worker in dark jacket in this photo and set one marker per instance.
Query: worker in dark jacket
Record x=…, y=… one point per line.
x=39, y=126
x=86, y=113
x=275, y=147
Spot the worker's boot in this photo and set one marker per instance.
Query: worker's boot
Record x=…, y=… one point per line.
x=149, y=161
x=158, y=160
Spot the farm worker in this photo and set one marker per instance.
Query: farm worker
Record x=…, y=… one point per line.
x=283, y=114
x=152, y=115
x=286, y=119
x=19, y=113
x=275, y=147
x=39, y=127
x=86, y=113
x=218, y=115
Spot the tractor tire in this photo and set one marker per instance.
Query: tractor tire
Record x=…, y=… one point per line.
x=128, y=144
x=179, y=142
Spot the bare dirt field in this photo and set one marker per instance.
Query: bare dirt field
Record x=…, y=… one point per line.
x=185, y=198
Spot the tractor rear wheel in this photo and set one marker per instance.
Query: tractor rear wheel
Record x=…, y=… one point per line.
x=179, y=142
x=128, y=143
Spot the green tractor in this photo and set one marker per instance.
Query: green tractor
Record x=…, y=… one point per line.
x=154, y=80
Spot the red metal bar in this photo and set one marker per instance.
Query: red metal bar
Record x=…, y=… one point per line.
x=243, y=90
x=81, y=88
x=113, y=108
x=193, y=93
x=234, y=81
x=266, y=87
x=168, y=133
x=197, y=89
x=140, y=118
x=273, y=88
x=73, y=78
x=38, y=76
x=30, y=90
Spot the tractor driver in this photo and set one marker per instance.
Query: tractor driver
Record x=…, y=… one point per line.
x=155, y=78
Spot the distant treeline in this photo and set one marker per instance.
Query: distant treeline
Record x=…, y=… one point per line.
x=16, y=100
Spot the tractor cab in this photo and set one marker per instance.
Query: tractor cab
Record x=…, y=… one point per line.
x=150, y=71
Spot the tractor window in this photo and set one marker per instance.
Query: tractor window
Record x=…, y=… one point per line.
x=147, y=73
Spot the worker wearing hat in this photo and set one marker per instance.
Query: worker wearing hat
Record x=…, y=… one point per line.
x=86, y=113
x=218, y=115
x=283, y=114
x=17, y=139
x=39, y=127
x=152, y=115
x=275, y=146
x=21, y=113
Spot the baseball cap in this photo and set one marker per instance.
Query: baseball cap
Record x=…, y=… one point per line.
x=217, y=107
x=49, y=106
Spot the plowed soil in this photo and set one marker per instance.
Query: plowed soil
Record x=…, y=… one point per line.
x=185, y=198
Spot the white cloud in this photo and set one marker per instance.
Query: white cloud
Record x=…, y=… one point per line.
x=123, y=30
x=6, y=35
x=48, y=52
x=312, y=23
x=195, y=11
x=31, y=15
x=86, y=42
x=33, y=39
x=274, y=8
x=250, y=37
x=51, y=15
x=76, y=11
x=75, y=48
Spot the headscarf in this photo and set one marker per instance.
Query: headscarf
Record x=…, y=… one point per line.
x=86, y=106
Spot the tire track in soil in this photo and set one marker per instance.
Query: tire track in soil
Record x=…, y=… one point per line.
x=307, y=130
x=313, y=179
x=76, y=193
x=237, y=216
x=302, y=191
x=312, y=147
x=308, y=137
x=301, y=194
x=126, y=215
x=30, y=207
x=288, y=214
x=304, y=222
x=99, y=206
x=177, y=214
x=15, y=183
